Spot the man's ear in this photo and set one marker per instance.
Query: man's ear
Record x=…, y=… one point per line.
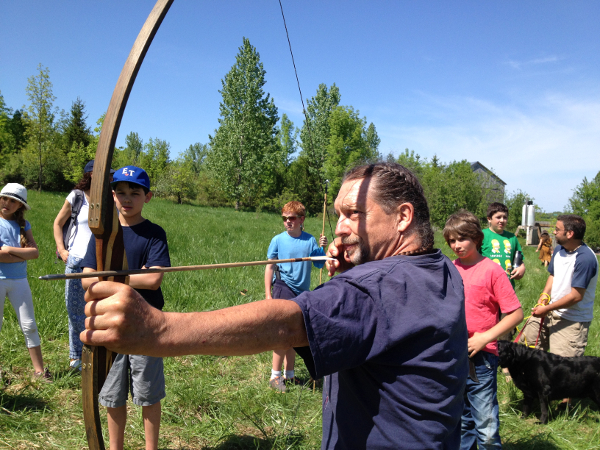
x=405, y=215
x=148, y=196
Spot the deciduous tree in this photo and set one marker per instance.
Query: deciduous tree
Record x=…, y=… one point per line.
x=155, y=158
x=178, y=180
x=349, y=144
x=242, y=148
x=514, y=201
x=195, y=156
x=41, y=131
x=7, y=140
x=586, y=203
x=134, y=146
x=450, y=187
x=315, y=135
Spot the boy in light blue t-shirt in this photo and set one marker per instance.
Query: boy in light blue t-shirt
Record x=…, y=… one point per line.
x=290, y=279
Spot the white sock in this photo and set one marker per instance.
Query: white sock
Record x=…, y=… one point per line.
x=289, y=374
x=275, y=373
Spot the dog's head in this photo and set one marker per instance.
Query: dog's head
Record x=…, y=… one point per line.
x=510, y=353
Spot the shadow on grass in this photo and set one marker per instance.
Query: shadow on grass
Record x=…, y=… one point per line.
x=581, y=408
x=539, y=442
x=246, y=442
x=17, y=403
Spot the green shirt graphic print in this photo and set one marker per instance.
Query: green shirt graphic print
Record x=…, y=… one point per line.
x=501, y=249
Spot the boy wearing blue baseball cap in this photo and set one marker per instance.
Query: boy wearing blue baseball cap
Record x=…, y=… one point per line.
x=145, y=247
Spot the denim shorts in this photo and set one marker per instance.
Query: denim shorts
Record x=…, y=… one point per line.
x=143, y=376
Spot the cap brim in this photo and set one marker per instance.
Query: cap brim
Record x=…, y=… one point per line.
x=114, y=183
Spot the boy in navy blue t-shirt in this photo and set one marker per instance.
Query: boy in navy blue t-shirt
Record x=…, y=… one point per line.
x=145, y=247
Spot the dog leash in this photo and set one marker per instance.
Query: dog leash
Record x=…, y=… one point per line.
x=542, y=301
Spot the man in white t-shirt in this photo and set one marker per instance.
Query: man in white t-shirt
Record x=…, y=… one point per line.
x=571, y=288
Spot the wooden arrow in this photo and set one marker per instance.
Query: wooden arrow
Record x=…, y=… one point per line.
x=121, y=273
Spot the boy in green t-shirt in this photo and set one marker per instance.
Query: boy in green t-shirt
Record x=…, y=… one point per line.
x=500, y=245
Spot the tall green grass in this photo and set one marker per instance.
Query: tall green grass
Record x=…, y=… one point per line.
x=214, y=402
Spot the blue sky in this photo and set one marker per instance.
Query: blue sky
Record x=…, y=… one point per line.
x=515, y=85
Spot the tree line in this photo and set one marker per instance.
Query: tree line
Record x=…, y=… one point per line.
x=254, y=159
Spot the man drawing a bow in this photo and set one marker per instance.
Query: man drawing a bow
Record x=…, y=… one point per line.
x=388, y=332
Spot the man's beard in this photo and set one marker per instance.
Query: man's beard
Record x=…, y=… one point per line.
x=360, y=253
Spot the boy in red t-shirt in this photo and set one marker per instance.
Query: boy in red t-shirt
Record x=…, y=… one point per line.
x=487, y=294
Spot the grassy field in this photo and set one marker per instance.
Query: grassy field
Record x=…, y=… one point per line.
x=213, y=402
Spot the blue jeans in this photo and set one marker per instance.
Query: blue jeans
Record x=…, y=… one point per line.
x=480, y=420
x=75, y=302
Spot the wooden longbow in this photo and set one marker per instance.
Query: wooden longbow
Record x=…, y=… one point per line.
x=104, y=222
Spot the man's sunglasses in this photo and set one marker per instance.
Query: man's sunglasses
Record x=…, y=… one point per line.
x=290, y=218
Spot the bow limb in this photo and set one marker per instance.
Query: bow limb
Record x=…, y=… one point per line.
x=103, y=220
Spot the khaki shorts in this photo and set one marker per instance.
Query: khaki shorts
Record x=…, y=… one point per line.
x=561, y=336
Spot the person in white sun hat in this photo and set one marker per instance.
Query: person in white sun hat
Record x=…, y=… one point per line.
x=16, y=247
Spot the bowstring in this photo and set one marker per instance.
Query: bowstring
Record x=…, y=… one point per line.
x=308, y=127
x=310, y=138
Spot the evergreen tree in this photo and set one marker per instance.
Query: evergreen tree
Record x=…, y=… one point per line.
x=79, y=154
x=76, y=129
x=18, y=128
x=76, y=139
x=242, y=148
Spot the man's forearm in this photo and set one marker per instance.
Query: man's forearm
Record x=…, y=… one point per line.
x=573, y=297
x=120, y=319
x=240, y=330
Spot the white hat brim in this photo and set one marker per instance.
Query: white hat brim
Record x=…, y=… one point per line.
x=27, y=207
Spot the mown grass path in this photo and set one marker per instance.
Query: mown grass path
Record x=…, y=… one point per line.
x=215, y=402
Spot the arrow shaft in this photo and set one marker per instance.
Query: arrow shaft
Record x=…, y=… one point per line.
x=115, y=273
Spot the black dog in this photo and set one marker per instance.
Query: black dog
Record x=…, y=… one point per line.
x=549, y=377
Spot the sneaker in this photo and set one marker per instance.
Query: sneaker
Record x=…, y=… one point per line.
x=75, y=364
x=277, y=384
x=44, y=376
